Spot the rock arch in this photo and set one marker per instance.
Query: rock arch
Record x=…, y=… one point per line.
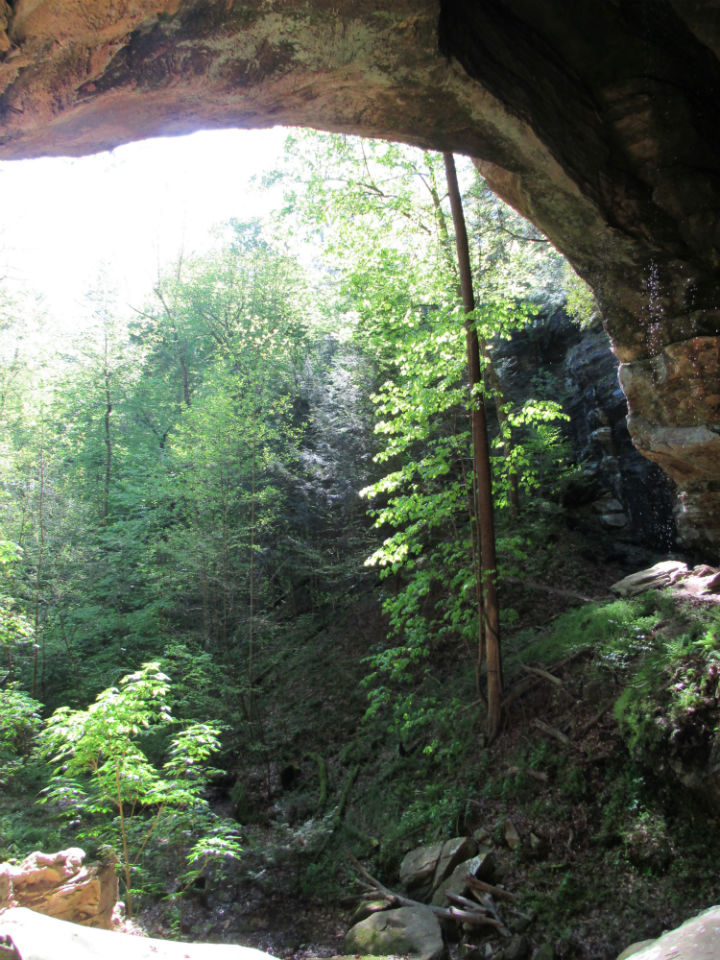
x=598, y=120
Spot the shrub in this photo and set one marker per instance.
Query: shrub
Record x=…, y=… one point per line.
x=103, y=772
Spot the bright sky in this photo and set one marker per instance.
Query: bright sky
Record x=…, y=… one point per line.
x=126, y=211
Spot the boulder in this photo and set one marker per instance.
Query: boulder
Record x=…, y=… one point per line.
x=482, y=865
x=696, y=939
x=405, y=932
x=512, y=837
x=60, y=885
x=453, y=852
x=428, y=866
x=367, y=908
x=701, y=581
x=661, y=575
x=634, y=948
x=418, y=866
x=35, y=937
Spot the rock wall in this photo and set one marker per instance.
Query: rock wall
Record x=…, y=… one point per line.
x=60, y=885
x=623, y=493
x=597, y=120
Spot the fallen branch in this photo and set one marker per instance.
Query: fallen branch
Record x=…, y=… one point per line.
x=486, y=903
x=529, y=683
x=474, y=917
x=459, y=901
x=551, y=731
x=546, y=675
x=470, y=913
x=484, y=887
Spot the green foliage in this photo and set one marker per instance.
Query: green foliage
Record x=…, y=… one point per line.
x=617, y=631
x=182, y=488
x=103, y=773
x=16, y=630
x=665, y=657
x=580, y=302
x=20, y=721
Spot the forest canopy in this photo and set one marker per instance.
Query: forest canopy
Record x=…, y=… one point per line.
x=195, y=486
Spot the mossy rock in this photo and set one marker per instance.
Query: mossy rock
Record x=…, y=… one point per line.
x=406, y=932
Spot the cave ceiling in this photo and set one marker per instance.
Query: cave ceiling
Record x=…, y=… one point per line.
x=597, y=120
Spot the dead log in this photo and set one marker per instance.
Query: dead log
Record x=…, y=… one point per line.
x=551, y=731
x=527, y=684
x=496, y=892
x=544, y=674
x=469, y=912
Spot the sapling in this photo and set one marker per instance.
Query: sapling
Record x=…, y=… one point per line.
x=102, y=771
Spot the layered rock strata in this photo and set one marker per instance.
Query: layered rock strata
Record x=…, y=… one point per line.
x=60, y=885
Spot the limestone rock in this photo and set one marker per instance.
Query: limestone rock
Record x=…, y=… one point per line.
x=654, y=578
x=406, y=931
x=427, y=866
x=60, y=885
x=581, y=373
x=418, y=866
x=612, y=513
x=482, y=865
x=37, y=937
x=700, y=581
x=453, y=852
x=696, y=939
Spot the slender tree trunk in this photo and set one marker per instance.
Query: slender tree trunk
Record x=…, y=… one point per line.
x=251, y=583
x=177, y=343
x=489, y=608
x=225, y=561
x=39, y=571
x=505, y=428
x=489, y=368
x=108, y=436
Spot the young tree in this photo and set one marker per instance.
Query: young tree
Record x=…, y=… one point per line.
x=489, y=611
x=104, y=774
x=387, y=236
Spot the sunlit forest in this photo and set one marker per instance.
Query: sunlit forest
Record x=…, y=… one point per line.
x=253, y=624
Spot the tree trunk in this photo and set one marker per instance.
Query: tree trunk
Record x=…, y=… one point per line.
x=489, y=610
x=106, y=423
x=39, y=571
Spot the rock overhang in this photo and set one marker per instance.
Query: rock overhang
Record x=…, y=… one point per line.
x=597, y=122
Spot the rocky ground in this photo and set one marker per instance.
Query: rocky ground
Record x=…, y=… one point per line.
x=597, y=802
x=602, y=843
